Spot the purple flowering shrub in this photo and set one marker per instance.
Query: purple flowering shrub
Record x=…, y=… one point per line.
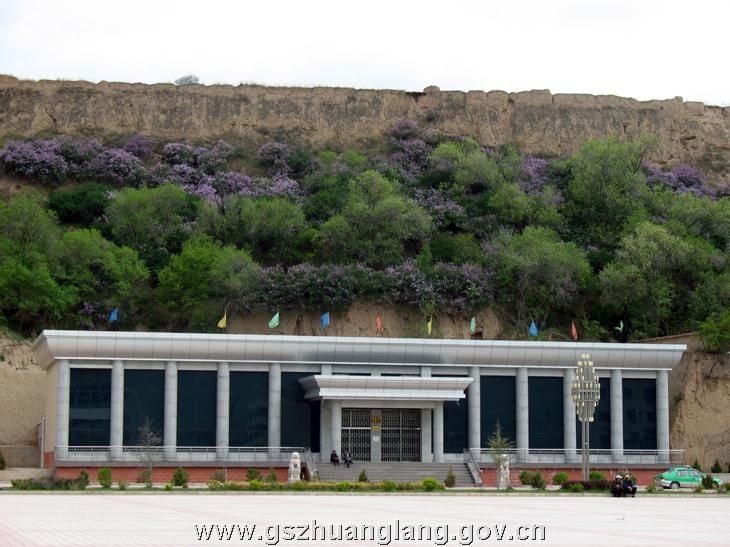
x=275, y=155
x=412, y=158
x=682, y=179
x=405, y=129
x=57, y=159
x=449, y=287
x=36, y=159
x=443, y=210
x=533, y=176
x=140, y=146
x=115, y=165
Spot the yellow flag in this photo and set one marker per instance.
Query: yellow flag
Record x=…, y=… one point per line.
x=224, y=321
x=428, y=325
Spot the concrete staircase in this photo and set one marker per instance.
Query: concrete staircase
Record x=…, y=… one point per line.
x=398, y=472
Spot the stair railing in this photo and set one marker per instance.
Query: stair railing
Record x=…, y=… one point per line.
x=311, y=464
x=473, y=466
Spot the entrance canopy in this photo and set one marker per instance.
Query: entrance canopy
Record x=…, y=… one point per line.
x=384, y=388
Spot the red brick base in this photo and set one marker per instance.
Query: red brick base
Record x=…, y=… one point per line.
x=644, y=476
x=164, y=474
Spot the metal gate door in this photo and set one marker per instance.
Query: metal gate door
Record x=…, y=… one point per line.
x=401, y=436
x=356, y=433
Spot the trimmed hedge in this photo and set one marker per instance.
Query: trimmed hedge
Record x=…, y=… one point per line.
x=592, y=485
x=427, y=485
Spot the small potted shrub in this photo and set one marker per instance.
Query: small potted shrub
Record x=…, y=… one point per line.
x=105, y=477
x=180, y=477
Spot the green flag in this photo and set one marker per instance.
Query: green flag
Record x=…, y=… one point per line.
x=274, y=321
x=473, y=324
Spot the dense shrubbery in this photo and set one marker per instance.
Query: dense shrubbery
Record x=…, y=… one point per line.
x=590, y=485
x=172, y=232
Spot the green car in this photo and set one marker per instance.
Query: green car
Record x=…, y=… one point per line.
x=678, y=477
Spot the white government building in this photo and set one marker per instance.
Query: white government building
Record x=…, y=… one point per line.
x=226, y=398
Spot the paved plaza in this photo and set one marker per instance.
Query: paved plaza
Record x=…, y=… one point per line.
x=171, y=519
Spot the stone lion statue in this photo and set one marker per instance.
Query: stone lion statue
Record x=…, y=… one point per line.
x=295, y=467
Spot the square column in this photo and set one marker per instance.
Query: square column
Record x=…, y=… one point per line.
x=474, y=393
x=523, y=413
x=274, y=409
x=325, y=435
x=222, y=411
x=426, y=455
x=438, y=432
x=336, y=427
x=170, y=428
x=116, y=433
x=662, y=414
x=63, y=394
x=617, y=416
x=569, y=416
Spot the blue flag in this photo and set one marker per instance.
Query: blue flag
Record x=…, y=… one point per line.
x=114, y=315
x=324, y=320
x=533, y=329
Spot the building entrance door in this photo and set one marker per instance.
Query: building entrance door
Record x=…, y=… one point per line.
x=356, y=433
x=401, y=431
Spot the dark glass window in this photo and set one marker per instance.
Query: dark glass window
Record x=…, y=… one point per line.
x=196, y=402
x=546, y=411
x=249, y=409
x=144, y=397
x=498, y=404
x=299, y=417
x=639, y=414
x=456, y=422
x=90, y=407
x=600, y=432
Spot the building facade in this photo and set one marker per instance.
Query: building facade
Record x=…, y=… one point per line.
x=223, y=398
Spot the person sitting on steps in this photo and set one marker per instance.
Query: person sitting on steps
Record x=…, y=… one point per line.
x=334, y=458
x=347, y=457
x=617, y=487
x=628, y=486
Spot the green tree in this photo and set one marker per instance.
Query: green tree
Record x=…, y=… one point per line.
x=83, y=205
x=29, y=296
x=204, y=270
x=510, y=205
x=456, y=248
x=538, y=273
x=649, y=284
x=155, y=222
x=99, y=270
x=267, y=227
x=606, y=191
x=27, y=224
x=377, y=227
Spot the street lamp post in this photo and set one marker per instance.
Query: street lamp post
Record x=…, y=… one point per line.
x=586, y=392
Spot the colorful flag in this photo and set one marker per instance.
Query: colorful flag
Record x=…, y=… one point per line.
x=378, y=324
x=224, y=320
x=429, y=325
x=573, y=331
x=620, y=327
x=324, y=320
x=274, y=321
x=114, y=315
x=473, y=325
x=533, y=329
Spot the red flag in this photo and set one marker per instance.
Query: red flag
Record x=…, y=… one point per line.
x=379, y=324
x=574, y=331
